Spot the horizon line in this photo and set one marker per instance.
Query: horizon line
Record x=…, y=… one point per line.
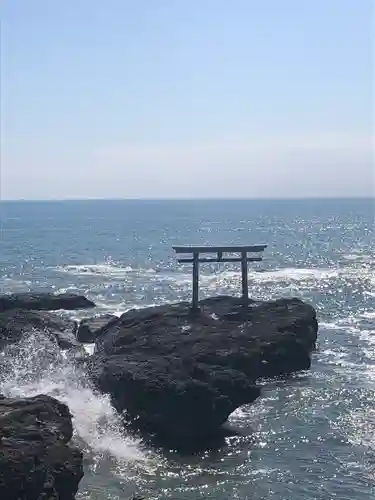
x=282, y=198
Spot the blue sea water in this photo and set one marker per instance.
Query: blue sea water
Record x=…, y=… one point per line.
x=311, y=437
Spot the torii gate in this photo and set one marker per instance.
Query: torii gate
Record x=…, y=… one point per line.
x=243, y=257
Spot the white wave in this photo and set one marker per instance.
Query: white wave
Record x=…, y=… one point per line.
x=34, y=367
x=89, y=348
x=340, y=359
x=368, y=336
x=358, y=256
x=12, y=285
x=360, y=357
x=118, y=309
x=224, y=279
x=151, y=270
x=285, y=275
x=334, y=353
x=354, y=325
x=295, y=274
x=352, y=256
x=368, y=315
x=183, y=279
x=67, y=289
x=113, y=271
x=230, y=278
x=344, y=324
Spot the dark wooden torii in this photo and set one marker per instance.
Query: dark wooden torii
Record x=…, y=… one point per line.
x=220, y=252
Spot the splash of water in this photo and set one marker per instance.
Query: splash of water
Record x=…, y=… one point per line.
x=38, y=366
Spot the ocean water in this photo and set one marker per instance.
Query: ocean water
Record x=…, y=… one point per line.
x=310, y=437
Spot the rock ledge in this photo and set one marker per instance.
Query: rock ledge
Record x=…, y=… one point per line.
x=181, y=375
x=36, y=460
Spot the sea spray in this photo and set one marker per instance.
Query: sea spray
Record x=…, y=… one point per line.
x=37, y=366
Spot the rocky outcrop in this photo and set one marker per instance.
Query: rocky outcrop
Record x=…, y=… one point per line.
x=36, y=460
x=22, y=313
x=181, y=375
x=14, y=323
x=90, y=329
x=44, y=301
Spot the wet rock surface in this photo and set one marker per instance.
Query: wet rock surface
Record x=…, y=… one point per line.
x=44, y=301
x=36, y=460
x=21, y=314
x=15, y=323
x=180, y=375
x=91, y=328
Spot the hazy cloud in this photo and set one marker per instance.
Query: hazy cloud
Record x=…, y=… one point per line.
x=319, y=165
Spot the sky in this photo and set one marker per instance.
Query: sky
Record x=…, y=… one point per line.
x=187, y=99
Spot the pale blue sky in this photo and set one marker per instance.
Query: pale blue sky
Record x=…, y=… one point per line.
x=139, y=98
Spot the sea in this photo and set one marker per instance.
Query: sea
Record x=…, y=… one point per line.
x=310, y=436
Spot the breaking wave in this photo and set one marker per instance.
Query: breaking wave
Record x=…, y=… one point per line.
x=117, y=287
x=107, y=269
x=37, y=366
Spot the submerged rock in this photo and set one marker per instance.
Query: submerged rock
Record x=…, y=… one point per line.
x=36, y=460
x=44, y=301
x=15, y=323
x=181, y=375
x=91, y=328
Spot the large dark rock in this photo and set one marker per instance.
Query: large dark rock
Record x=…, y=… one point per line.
x=15, y=323
x=44, y=301
x=36, y=460
x=90, y=329
x=181, y=375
